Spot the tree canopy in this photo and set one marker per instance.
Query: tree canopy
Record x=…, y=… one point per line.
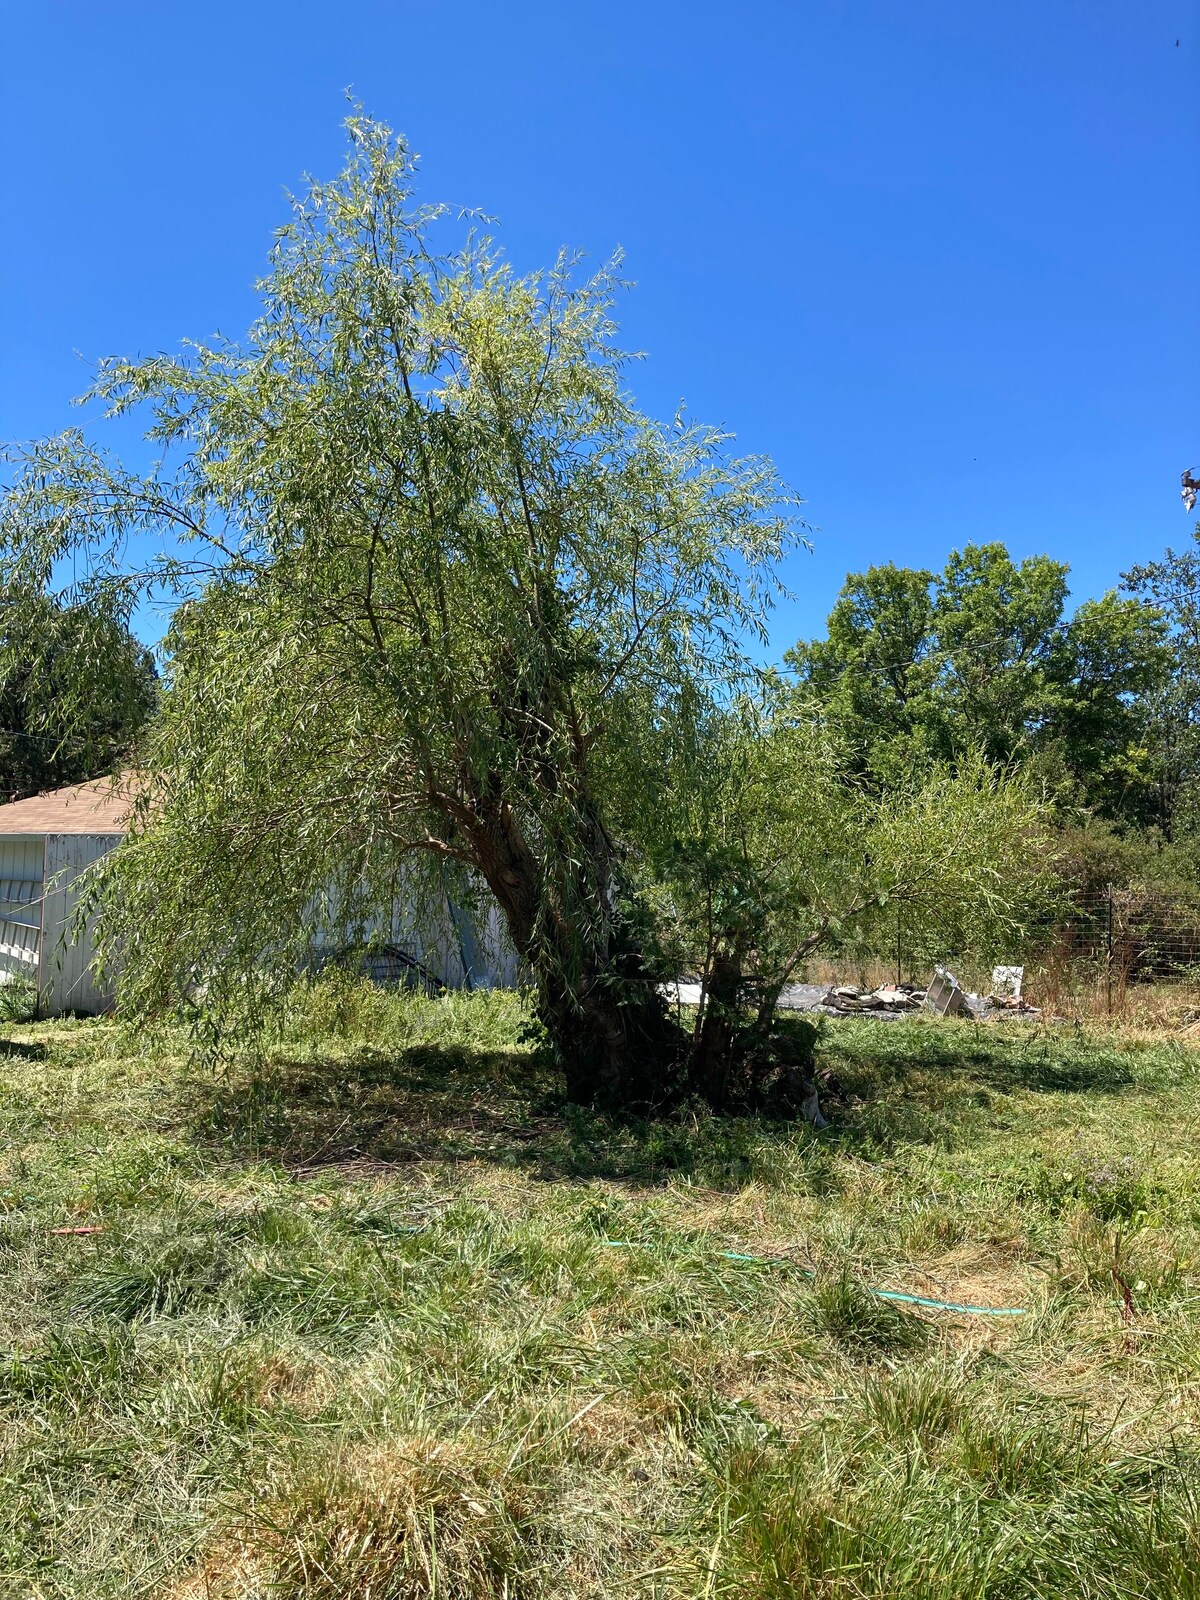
x=1170, y=587
x=449, y=610
x=76, y=690
x=777, y=850
x=983, y=657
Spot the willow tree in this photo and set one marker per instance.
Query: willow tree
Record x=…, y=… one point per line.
x=778, y=850
x=438, y=587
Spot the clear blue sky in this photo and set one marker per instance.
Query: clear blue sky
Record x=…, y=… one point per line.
x=938, y=259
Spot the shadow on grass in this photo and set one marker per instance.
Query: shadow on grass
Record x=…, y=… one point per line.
x=22, y=1052
x=370, y=1109
x=423, y=1102
x=1063, y=1061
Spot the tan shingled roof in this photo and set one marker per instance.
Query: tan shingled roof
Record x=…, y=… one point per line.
x=102, y=806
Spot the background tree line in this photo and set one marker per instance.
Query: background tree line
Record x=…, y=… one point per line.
x=77, y=689
x=1098, y=705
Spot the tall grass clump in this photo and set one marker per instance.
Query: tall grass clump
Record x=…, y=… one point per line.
x=407, y=1520
x=978, y=1503
x=18, y=1000
x=860, y=1321
x=337, y=1005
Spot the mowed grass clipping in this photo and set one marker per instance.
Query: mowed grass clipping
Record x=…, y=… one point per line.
x=346, y=1319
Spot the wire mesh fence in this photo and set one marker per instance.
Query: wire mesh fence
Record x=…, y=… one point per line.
x=1118, y=952
x=1124, y=950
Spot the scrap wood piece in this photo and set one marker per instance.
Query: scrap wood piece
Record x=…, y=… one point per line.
x=95, y=1228
x=891, y=995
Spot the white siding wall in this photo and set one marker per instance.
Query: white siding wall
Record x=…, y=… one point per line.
x=39, y=893
x=20, y=906
x=65, y=977
x=451, y=946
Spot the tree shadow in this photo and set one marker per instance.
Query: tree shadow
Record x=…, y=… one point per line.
x=1041, y=1063
x=367, y=1111
x=424, y=1102
x=946, y=1085
x=371, y=1110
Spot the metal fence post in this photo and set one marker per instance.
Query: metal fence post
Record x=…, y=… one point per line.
x=898, y=976
x=1109, y=951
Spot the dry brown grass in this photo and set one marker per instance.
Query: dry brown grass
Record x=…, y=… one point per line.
x=405, y=1521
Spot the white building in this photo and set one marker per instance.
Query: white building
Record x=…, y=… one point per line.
x=47, y=841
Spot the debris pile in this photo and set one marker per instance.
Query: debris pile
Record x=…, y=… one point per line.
x=891, y=1001
x=1005, y=997
x=1008, y=1004
x=845, y=998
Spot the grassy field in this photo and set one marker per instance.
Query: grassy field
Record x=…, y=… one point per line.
x=349, y=1321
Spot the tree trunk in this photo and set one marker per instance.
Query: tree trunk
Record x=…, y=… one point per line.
x=765, y=1017
x=613, y=1038
x=600, y=1005
x=718, y=1049
x=736, y=1056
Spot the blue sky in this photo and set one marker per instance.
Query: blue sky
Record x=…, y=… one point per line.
x=938, y=259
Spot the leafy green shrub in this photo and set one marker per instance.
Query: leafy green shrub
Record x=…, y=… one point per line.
x=1111, y=1188
x=1099, y=1258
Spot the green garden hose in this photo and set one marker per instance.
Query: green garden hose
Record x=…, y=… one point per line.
x=775, y=1261
x=880, y=1294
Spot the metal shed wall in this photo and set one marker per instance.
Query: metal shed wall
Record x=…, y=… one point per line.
x=452, y=946
x=66, y=981
x=21, y=863
x=39, y=893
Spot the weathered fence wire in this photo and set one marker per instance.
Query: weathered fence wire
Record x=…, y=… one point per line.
x=1115, y=952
